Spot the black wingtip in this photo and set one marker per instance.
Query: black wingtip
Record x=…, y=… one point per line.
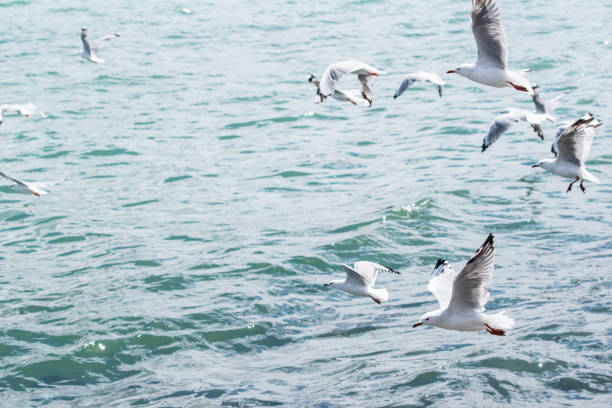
x=440, y=262
x=392, y=270
x=484, y=147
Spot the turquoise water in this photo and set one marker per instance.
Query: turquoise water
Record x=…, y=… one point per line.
x=207, y=200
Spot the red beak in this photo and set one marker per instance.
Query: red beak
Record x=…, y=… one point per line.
x=450, y=71
x=417, y=324
x=374, y=73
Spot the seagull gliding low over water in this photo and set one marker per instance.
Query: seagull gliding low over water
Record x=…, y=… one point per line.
x=360, y=281
x=462, y=295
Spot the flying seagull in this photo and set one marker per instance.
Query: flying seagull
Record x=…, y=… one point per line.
x=360, y=281
x=334, y=72
x=503, y=122
x=462, y=295
x=90, y=52
x=423, y=76
x=25, y=110
x=26, y=188
x=490, y=67
x=352, y=96
x=572, y=146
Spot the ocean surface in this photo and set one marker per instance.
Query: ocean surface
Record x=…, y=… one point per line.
x=207, y=199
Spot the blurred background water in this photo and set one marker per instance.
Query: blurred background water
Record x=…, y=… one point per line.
x=208, y=198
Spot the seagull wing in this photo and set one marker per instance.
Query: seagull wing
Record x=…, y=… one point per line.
x=366, y=90
x=469, y=286
x=574, y=144
x=498, y=127
x=12, y=179
x=555, y=102
x=489, y=34
x=540, y=105
x=100, y=42
x=365, y=273
x=554, y=149
x=406, y=82
x=441, y=282
x=353, y=96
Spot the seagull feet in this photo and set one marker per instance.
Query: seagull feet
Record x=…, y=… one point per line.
x=495, y=332
x=518, y=87
x=569, y=188
x=582, y=187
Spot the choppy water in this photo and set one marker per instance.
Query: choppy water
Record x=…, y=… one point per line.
x=208, y=199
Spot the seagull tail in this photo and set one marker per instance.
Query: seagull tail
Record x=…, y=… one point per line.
x=500, y=321
x=590, y=177
x=379, y=295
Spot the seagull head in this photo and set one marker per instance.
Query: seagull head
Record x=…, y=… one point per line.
x=83, y=30
x=463, y=70
x=428, y=319
x=544, y=163
x=334, y=282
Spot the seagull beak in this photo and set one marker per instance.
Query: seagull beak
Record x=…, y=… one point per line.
x=535, y=165
x=450, y=71
x=417, y=324
x=326, y=284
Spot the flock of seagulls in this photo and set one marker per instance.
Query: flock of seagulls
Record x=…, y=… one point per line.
x=462, y=296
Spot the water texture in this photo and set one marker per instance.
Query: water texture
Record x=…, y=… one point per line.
x=208, y=199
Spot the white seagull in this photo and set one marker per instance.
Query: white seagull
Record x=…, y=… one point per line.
x=26, y=188
x=503, y=122
x=89, y=52
x=25, y=110
x=352, y=96
x=572, y=146
x=491, y=63
x=546, y=108
x=334, y=72
x=419, y=76
x=359, y=281
x=462, y=295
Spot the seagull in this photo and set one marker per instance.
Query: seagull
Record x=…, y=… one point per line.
x=89, y=52
x=352, y=96
x=546, y=108
x=25, y=110
x=26, y=188
x=359, y=281
x=503, y=122
x=419, y=76
x=336, y=71
x=572, y=146
x=462, y=295
x=491, y=63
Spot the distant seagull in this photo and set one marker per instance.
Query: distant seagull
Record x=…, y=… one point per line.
x=359, y=281
x=419, y=76
x=89, y=52
x=352, y=96
x=26, y=188
x=25, y=110
x=544, y=107
x=334, y=72
x=462, y=295
x=573, y=146
x=503, y=122
x=491, y=63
